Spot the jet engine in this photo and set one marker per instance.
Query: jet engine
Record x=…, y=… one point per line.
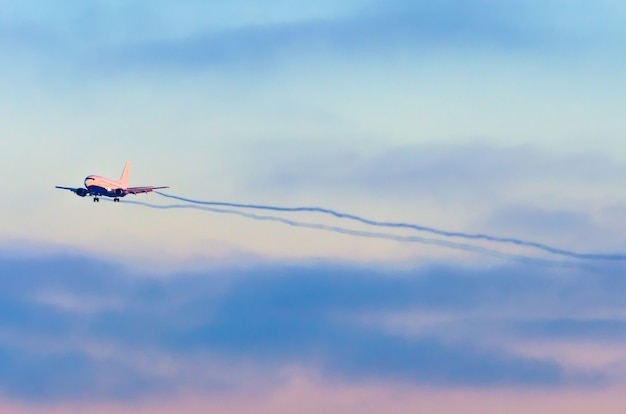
x=81, y=192
x=119, y=192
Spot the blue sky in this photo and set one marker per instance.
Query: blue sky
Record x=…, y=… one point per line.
x=475, y=116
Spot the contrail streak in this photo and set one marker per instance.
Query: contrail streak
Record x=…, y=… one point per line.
x=359, y=233
x=470, y=236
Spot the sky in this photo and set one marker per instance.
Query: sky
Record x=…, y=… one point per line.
x=472, y=117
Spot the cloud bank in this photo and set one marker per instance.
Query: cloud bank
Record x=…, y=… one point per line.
x=76, y=327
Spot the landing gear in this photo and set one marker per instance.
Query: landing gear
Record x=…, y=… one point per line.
x=116, y=200
x=96, y=200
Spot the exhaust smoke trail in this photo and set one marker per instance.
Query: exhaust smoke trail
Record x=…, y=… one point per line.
x=360, y=233
x=417, y=227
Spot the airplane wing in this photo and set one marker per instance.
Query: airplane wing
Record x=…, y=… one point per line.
x=78, y=191
x=139, y=190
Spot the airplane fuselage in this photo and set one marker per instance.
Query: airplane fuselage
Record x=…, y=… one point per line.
x=101, y=186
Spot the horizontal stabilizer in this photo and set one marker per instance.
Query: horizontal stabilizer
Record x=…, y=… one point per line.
x=139, y=190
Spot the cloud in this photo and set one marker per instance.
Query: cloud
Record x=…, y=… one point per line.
x=449, y=172
x=187, y=329
x=377, y=31
x=541, y=221
x=153, y=36
x=569, y=328
x=69, y=375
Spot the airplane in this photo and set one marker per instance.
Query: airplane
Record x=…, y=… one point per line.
x=96, y=187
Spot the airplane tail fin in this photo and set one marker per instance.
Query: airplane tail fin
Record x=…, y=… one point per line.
x=124, y=178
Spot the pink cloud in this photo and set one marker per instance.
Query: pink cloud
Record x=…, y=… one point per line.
x=306, y=395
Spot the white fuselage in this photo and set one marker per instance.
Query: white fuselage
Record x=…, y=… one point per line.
x=104, y=187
